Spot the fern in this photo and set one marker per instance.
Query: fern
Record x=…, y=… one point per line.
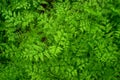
x=59, y=40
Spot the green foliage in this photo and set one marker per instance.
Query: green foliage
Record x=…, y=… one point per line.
x=59, y=40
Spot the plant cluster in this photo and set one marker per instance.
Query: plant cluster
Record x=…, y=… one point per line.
x=59, y=39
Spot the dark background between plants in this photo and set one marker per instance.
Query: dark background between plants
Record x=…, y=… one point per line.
x=59, y=39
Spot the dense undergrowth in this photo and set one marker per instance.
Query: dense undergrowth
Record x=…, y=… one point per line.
x=59, y=40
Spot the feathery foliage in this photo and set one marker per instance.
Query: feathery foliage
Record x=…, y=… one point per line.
x=59, y=39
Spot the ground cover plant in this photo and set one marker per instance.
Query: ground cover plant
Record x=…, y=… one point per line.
x=59, y=40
